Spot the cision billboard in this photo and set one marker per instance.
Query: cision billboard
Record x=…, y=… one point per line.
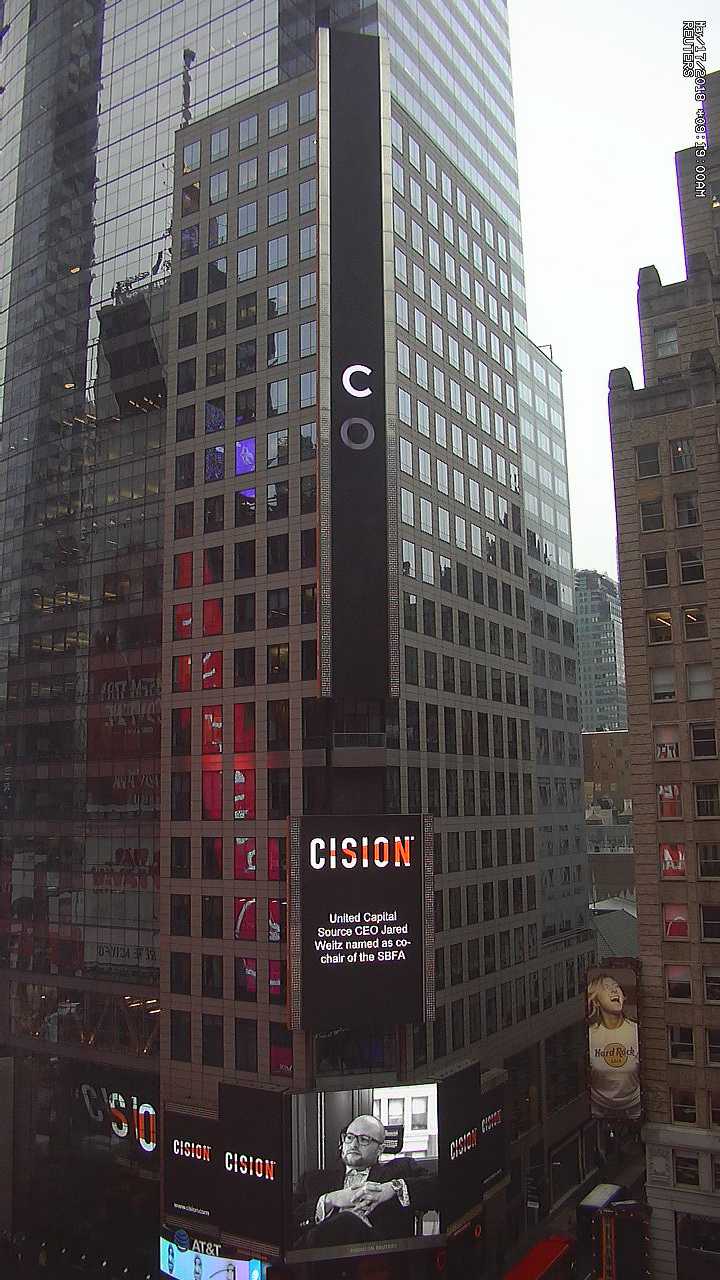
x=338, y=1173
x=360, y=921
x=613, y=1040
x=229, y=1174
x=391, y=1168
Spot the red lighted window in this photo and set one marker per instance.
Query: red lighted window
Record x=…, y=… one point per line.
x=245, y=977
x=245, y=855
x=277, y=911
x=672, y=861
x=212, y=617
x=244, y=726
x=182, y=621
x=183, y=570
x=244, y=794
x=245, y=919
x=182, y=673
x=669, y=798
x=212, y=730
x=212, y=669
x=276, y=981
x=212, y=795
x=675, y=920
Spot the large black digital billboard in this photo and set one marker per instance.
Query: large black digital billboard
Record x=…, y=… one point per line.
x=229, y=1174
x=365, y=1172
x=360, y=907
x=391, y=1168
x=359, y=521
x=473, y=1150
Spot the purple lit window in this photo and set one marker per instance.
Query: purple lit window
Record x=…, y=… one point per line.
x=244, y=456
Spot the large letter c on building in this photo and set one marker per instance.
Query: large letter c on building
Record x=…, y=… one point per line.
x=359, y=392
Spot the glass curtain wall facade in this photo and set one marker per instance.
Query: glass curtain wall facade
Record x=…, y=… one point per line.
x=94, y=94
x=558, y=752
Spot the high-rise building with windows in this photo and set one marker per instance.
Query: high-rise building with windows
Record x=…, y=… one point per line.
x=665, y=458
x=558, y=754
x=176, y=584
x=601, y=660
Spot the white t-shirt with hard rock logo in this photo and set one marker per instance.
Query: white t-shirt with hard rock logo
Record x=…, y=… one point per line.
x=615, y=1070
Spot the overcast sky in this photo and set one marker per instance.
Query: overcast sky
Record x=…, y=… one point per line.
x=601, y=107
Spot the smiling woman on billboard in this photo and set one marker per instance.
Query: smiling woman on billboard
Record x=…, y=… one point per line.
x=614, y=1051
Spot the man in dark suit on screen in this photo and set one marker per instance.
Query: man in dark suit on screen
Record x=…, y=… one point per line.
x=365, y=1200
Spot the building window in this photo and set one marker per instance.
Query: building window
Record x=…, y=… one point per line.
x=662, y=681
x=681, y=1044
x=669, y=800
x=656, y=573
x=710, y=923
x=675, y=921
x=692, y=568
x=306, y=106
x=277, y=119
x=695, y=623
x=707, y=800
x=684, y=1107
x=667, y=746
x=647, y=460
x=699, y=681
x=682, y=454
x=660, y=627
x=652, y=517
x=711, y=979
x=672, y=861
x=713, y=1046
x=709, y=861
x=687, y=510
x=191, y=157
x=687, y=1170
x=677, y=982
x=666, y=340
x=703, y=740
x=180, y=1035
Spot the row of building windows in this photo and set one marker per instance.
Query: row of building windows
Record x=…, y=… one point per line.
x=217, y=276
x=681, y=457
x=276, y=664
x=216, y=187
x=493, y=462
x=681, y=1045
x=484, y=848
x=452, y=232
x=457, y=677
x=277, y=396
x=500, y=737
x=469, y=630
x=277, y=121
x=691, y=567
x=279, y=349
x=678, y=983
x=676, y=922
x=670, y=799
x=212, y=1042
x=686, y=510
x=698, y=682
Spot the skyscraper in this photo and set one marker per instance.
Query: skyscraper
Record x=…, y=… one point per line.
x=598, y=622
x=665, y=459
x=171, y=411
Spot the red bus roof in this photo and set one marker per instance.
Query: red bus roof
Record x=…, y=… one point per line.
x=542, y=1256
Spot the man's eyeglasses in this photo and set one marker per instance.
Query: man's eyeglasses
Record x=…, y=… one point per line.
x=363, y=1140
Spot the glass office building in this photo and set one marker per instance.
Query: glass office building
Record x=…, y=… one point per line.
x=93, y=96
